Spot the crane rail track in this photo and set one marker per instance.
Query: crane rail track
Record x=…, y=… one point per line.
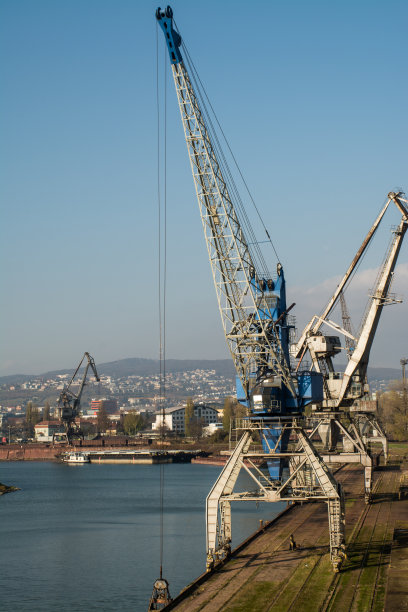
x=366, y=554
x=347, y=476
x=265, y=576
x=316, y=566
x=383, y=552
x=234, y=584
x=330, y=601
x=272, y=547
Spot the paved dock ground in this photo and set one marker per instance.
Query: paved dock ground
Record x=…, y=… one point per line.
x=266, y=576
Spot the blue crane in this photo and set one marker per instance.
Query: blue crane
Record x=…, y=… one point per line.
x=253, y=307
x=254, y=315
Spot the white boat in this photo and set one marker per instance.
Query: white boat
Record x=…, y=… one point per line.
x=76, y=458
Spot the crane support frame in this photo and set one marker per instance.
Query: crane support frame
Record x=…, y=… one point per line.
x=309, y=479
x=310, y=329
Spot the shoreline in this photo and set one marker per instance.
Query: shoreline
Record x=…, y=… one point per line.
x=106, y=454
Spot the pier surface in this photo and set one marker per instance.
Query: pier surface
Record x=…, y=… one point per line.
x=264, y=575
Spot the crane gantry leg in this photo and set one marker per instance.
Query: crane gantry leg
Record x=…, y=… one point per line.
x=343, y=444
x=309, y=479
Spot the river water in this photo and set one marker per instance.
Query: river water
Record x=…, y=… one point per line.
x=83, y=538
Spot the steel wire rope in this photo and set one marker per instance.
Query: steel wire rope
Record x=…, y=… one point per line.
x=350, y=279
x=376, y=282
x=230, y=150
x=226, y=173
x=163, y=358
x=162, y=270
x=203, y=96
x=253, y=246
x=364, y=255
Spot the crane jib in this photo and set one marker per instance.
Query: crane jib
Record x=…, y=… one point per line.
x=172, y=38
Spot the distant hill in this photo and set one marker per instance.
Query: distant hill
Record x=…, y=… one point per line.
x=136, y=366
x=148, y=367
x=383, y=374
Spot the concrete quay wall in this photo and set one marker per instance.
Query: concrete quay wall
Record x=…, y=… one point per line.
x=44, y=452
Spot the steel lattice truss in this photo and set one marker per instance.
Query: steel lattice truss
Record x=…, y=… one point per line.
x=251, y=336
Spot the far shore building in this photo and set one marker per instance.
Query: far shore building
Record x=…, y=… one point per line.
x=174, y=417
x=110, y=405
x=45, y=430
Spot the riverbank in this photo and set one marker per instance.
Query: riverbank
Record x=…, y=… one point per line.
x=202, y=454
x=107, y=454
x=31, y=452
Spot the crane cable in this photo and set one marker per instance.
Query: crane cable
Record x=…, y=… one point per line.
x=202, y=94
x=350, y=280
x=161, y=595
x=162, y=274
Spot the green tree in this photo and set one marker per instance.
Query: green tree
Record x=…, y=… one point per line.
x=28, y=413
x=119, y=425
x=132, y=423
x=218, y=436
x=32, y=413
x=88, y=429
x=32, y=417
x=47, y=411
x=232, y=410
x=393, y=410
x=102, y=420
x=228, y=413
x=188, y=417
x=35, y=415
x=196, y=427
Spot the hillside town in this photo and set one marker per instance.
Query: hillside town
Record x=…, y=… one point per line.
x=29, y=409
x=120, y=404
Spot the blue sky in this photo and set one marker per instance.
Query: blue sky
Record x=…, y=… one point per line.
x=313, y=98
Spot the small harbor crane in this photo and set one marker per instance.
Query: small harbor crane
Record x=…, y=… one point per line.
x=254, y=314
x=347, y=393
x=69, y=401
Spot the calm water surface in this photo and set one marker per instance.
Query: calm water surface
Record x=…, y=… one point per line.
x=83, y=538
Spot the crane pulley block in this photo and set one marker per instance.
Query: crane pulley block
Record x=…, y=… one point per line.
x=173, y=38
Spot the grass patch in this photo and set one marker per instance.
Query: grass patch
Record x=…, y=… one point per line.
x=397, y=450
x=344, y=592
x=366, y=586
x=254, y=597
x=316, y=587
x=297, y=580
x=379, y=601
x=398, y=446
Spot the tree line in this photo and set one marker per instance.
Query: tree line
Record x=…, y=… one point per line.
x=393, y=410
